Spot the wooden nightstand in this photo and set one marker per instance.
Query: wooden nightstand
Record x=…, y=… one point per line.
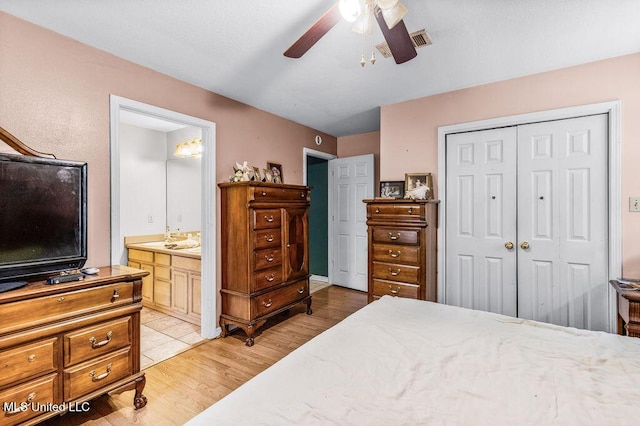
x=628, y=303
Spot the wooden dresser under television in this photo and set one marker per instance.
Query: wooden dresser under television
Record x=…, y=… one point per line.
x=402, y=248
x=62, y=345
x=265, y=252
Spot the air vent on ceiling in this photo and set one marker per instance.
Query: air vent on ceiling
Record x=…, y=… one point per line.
x=419, y=39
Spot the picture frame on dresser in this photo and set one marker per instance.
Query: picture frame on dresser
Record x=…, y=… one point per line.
x=276, y=172
x=392, y=189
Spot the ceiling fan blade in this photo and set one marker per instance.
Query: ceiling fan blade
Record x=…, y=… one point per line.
x=315, y=33
x=397, y=38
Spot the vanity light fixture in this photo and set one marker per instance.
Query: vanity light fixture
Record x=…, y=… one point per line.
x=189, y=148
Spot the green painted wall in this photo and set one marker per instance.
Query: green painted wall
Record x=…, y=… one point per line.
x=317, y=177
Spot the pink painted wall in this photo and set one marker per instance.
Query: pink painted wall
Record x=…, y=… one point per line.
x=409, y=130
x=363, y=143
x=54, y=96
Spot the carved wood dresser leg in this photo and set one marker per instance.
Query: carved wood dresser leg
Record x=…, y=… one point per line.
x=139, y=400
x=309, y=311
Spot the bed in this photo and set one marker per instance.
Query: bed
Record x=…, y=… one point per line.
x=403, y=361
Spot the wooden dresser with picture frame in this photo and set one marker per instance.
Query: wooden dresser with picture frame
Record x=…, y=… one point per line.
x=402, y=237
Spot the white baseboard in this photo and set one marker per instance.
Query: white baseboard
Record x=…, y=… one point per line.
x=319, y=278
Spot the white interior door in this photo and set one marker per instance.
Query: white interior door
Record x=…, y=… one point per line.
x=562, y=218
x=542, y=187
x=351, y=181
x=481, y=195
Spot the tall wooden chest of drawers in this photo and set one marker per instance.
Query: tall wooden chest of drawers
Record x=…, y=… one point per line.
x=62, y=345
x=402, y=248
x=265, y=252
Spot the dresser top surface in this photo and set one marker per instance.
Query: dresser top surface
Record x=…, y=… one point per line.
x=38, y=287
x=399, y=201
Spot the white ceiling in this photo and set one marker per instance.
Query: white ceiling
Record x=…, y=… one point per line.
x=234, y=48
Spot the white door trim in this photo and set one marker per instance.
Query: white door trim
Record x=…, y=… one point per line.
x=613, y=108
x=308, y=152
x=117, y=104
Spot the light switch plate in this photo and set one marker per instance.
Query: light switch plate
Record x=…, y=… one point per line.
x=634, y=204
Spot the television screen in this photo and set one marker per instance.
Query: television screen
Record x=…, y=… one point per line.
x=42, y=216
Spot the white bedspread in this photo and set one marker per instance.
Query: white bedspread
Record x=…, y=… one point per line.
x=406, y=362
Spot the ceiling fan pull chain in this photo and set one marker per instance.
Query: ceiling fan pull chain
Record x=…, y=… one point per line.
x=362, y=61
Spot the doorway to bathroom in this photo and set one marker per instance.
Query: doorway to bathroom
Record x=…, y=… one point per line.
x=154, y=196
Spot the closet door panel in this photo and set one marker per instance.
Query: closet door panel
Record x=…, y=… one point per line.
x=481, y=190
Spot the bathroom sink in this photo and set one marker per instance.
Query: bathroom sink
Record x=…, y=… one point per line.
x=154, y=244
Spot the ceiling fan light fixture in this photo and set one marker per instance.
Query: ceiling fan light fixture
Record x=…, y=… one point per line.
x=364, y=23
x=387, y=4
x=393, y=15
x=350, y=9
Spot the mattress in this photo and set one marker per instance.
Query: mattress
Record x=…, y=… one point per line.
x=400, y=361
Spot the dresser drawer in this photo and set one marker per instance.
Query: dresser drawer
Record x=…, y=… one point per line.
x=28, y=360
x=267, y=238
x=396, y=212
x=141, y=255
x=38, y=392
x=281, y=297
x=28, y=313
x=396, y=235
x=267, y=258
x=90, y=376
x=266, y=218
x=97, y=340
x=267, y=278
x=395, y=272
x=396, y=253
x=382, y=288
x=280, y=194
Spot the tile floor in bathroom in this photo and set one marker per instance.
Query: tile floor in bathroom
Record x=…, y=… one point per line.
x=164, y=336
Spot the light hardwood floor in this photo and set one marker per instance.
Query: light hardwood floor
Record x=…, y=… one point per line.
x=183, y=386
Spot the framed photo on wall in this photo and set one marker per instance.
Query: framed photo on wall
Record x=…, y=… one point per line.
x=276, y=172
x=392, y=189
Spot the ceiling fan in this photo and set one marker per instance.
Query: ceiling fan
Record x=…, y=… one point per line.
x=388, y=14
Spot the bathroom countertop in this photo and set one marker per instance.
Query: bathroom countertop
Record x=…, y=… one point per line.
x=158, y=247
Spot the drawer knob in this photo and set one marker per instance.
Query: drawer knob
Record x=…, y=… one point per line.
x=377, y=210
x=264, y=193
x=410, y=210
x=31, y=358
x=302, y=195
x=115, y=295
x=270, y=277
x=61, y=299
x=394, y=273
x=396, y=291
x=95, y=344
x=269, y=238
x=96, y=378
x=269, y=258
x=394, y=237
x=301, y=290
x=22, y=406
x=267, y=304
x=269, y=218
x=394, y=255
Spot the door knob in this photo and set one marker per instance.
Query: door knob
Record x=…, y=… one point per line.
x=508, y=245
x=524, y=245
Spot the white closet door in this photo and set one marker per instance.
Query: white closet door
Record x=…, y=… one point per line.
x=562, y=216
x=352, y=180
x=481, y=220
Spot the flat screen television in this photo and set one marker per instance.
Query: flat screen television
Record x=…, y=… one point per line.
x=43, y=216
